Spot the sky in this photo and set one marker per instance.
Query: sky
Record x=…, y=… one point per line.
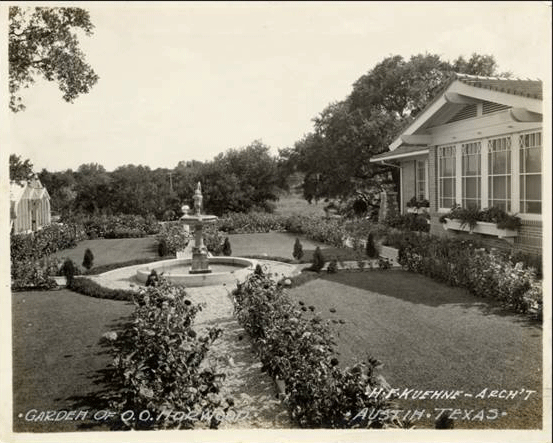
x=190, y=80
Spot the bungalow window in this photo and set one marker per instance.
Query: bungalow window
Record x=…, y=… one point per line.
x=420, y=180
x=499, y=173
x=446, y=174
x=471, y=174
x=530, y=172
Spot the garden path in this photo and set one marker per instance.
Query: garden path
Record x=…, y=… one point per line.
x=253, y=391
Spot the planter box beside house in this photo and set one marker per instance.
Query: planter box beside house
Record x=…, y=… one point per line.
x=389, y=253
x=481, y=228
x=414, y=210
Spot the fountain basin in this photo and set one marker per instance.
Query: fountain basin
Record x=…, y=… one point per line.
x=224, y=270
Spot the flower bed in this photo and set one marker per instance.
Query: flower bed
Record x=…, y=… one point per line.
x=251, y=222
x=30, y=269
x=120, y=226
x=157, y=365
x=298, y=351
x=490, y=274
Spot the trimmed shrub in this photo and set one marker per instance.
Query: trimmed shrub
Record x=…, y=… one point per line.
x=110, y=267
x=298, y=250
x=162, y=249
x=88, y=259
x=69, y=270
x=318, y=260
x=370, y=249
x=227, y=250
x=86, y=286
x=332, y=267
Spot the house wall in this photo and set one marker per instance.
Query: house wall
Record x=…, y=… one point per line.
x=24, y=218
x=529, y=237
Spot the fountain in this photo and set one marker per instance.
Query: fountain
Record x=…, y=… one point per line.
x=200, y=270
x=200, y=262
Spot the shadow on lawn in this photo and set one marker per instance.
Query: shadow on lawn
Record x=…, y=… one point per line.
x=104, y=380
x=419, y=289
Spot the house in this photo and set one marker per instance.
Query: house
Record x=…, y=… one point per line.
x=477, y=143
x=29, y=206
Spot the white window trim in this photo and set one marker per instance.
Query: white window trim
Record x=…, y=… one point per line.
x=425, y=166
x=484, y=171
x=527, y=216
x=457, y=174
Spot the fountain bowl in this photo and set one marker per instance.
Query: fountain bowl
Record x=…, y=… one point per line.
x=224, y=271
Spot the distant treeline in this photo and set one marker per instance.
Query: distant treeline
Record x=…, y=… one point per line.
x=238, y=180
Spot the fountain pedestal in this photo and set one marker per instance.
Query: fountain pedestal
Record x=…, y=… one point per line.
x=200, y=263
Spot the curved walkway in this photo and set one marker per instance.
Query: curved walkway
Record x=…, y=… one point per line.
x=232, y=353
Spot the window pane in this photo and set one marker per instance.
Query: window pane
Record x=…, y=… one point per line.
x=448, y=188
x=472, y=187
x=532, y=160
x=499, y=163
x=533, y=187
x=473, y=165
x=533, y=208
x=499, y=187
x=449, y=167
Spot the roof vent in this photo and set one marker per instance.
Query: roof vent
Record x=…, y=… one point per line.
x=490, y=107
x=468, y=111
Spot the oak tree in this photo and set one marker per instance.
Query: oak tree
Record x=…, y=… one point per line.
x=43, y=42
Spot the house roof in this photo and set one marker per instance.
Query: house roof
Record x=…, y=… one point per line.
x=517, y=89
x=401, y=152
x=525, y=88
x=32, y=190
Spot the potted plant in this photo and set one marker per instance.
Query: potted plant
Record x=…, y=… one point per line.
x=415, y=206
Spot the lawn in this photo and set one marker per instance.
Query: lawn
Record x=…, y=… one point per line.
x=108, y=251
x=433, y=337
x=281, y=244
x=429, y=336
x=58, y=361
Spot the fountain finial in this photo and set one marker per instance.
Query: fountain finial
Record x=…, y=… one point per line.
x=198, y=199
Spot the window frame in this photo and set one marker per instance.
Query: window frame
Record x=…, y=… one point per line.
x=441, y=150
x=516, y=172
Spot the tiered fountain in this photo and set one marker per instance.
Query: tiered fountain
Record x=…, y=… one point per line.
x=202, y=269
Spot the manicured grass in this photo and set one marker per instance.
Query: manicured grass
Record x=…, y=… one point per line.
x=108, y=251
x=281, y=244
x=274, y=244
x=433, y=337
x=58, y=361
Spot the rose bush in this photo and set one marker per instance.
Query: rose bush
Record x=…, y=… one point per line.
x=28, y=252
x=300, y=351
x=485, y=273
x=157, y=362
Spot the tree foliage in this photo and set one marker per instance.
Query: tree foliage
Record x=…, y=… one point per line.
x=238, y=180
x=43, y=42
x=335, y=156
x=20, y=170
